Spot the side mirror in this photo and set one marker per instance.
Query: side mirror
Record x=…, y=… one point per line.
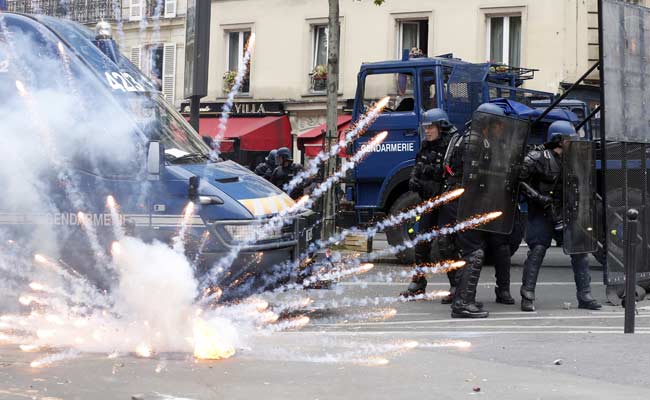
x=153, y=160
x=193, y=188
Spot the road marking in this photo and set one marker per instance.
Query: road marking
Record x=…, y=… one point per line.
x=460, y=320
x=489, y=284
x=517, y=327
x=461, y=334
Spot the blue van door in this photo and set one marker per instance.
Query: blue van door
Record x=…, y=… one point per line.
x=394, y=158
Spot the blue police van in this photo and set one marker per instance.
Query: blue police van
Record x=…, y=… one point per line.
x=379, y=185
x=119, y=138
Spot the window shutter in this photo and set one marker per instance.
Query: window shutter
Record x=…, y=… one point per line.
x=135, y=10
x=136, y=56
x=169, y=71
x=170, y=8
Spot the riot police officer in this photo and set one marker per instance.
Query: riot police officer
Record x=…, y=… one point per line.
x=285, y=171
x=266, y=167
x=427, y=181
x=468, y=149
x=542, y=184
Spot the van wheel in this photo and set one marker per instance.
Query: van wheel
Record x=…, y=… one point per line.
x=399, y=234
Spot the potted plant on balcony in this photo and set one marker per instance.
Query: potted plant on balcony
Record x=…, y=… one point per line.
x=229, y=81
x=319, y=78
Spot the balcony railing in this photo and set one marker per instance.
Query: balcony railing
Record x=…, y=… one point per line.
x=83, y=11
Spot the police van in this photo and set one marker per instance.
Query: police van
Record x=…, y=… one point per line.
x=136, y=147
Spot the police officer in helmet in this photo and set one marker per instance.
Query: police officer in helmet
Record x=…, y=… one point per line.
x=285, y=171
x=427, y=181
x=471, y=146
x=541, y=177
x=266, y=167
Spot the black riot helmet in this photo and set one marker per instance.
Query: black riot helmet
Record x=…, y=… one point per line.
x=283, y=154
x=270, y=159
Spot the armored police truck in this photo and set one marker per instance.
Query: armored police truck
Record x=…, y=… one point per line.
x=79, y=123
x=380, y=184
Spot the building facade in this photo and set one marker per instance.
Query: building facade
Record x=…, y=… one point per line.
x=150, y=32
x=558, y=37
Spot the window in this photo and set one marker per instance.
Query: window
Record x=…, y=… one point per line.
x=158, y=62
x=320, y=45
x=237, y=41
x=413, y=34
x=152, y=63
x=504, y=39
x=428, y=92
x=318, y=72
x=378, y=86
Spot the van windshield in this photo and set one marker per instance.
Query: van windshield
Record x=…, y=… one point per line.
x=160, y=122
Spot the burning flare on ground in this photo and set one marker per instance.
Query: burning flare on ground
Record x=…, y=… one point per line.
x=207, y=342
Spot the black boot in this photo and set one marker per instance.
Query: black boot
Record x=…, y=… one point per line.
x=417, y=286
x=580, y=264
x=464, y=305
x=529, y=277
x=451, y=275
x=502, y=274
x=503, y=296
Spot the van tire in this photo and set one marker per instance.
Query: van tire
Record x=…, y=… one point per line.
x=397, y=235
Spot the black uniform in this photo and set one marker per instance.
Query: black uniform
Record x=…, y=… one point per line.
x=473, y=243
x=542, y=184
x=265, y=169
x=427, y=181
x=283, y=175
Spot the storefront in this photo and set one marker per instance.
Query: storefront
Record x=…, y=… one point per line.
x=253, y=129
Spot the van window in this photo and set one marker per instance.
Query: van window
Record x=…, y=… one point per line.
x=397, y=86
x=160, y=122
x=428, y=90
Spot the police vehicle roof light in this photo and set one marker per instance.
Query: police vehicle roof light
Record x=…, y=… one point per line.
x=103, y=31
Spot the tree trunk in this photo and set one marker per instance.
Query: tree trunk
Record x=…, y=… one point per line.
x=333, y=40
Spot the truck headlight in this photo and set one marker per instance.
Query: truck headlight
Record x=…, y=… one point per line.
x=252, y=233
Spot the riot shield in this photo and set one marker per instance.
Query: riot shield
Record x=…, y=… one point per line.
x=625, y=70
x=579, y=197
x=494, y=146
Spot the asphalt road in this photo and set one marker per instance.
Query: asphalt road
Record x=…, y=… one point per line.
x=369, y=353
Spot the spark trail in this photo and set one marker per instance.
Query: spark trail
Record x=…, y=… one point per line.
x=358, y=130
x=239, y=79
x=448, y=230
x=389, y=222
x=277, y=221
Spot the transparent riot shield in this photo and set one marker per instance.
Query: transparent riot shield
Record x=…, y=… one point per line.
x=492, y=150
x=579, y=197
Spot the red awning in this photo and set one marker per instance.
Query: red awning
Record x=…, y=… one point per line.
x=253, y=134
x=311, y=142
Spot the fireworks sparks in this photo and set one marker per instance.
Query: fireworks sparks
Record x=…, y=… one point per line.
x=448, y=230
x=208, y=344
x=179, y=240
x=116, y=249
x=144, y=350
x=358, y=130
x=239, y=80
x=38, y=287
x=54, y=358
x=289, y=324
x=21, y=89
x=116, y=221
x=460, y=344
